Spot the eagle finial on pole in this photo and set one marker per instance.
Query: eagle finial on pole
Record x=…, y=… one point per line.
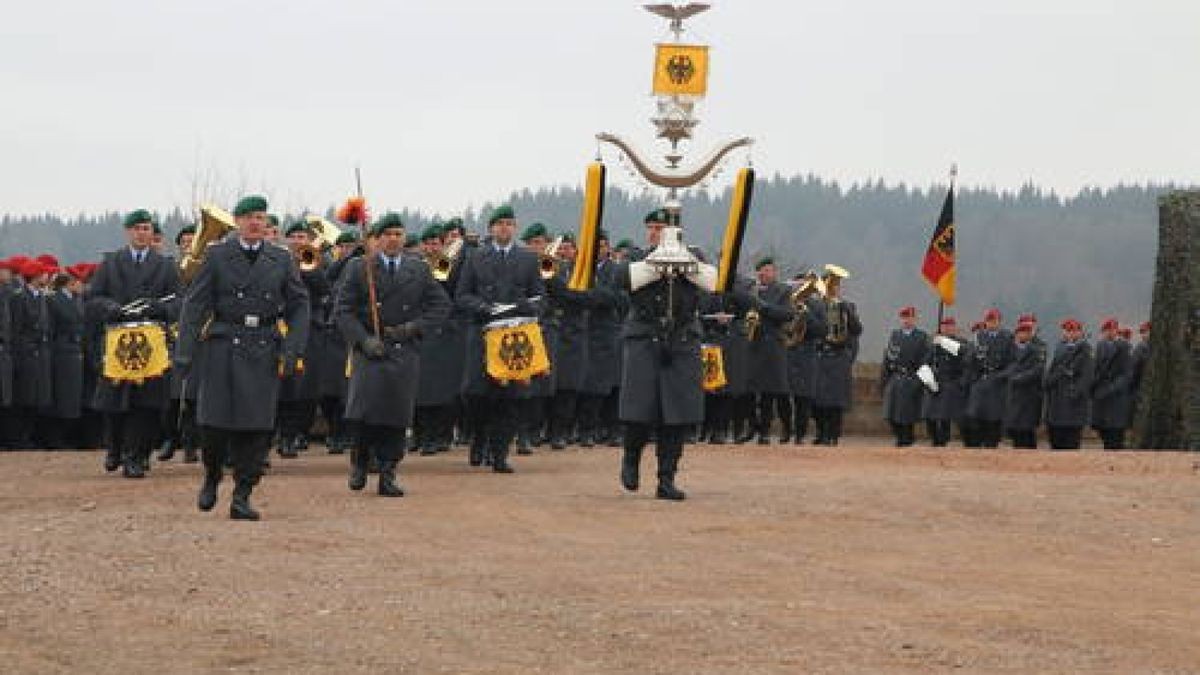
x=677, y=13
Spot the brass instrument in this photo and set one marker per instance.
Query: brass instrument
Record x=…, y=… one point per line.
x=215, y=223
x=443, y=263
x=796, y=329
x=838, y=332
x=548, y=261
x=325, y=232
x=753, y=324
x=308, y=257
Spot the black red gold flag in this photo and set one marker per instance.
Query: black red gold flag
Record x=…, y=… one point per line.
x=938, y=268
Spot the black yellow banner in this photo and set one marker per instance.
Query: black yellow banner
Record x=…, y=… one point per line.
x=680, y=70
x=515, y=353
x=135, y=352
x=713, y=362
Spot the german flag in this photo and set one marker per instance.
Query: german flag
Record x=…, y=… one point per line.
x=938, y=268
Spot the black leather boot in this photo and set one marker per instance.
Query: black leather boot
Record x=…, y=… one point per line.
x=631, y=461
x=133, y=467
x=668, y=464
x=524, y=447
x=785, y=431
x=112, y=459
x=475, y=454
x=359, y=460
x=190, y=456
x=167, y=451
x=287, y=447
x=207, y=498
x=239, y=507
x=387, y=481
x=718, y=437
x=500, y=460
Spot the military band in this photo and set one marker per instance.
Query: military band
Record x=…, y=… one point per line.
x=277, y=326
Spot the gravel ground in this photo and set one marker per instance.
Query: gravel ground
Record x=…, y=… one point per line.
x=859, y=559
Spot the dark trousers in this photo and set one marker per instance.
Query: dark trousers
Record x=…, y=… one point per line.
x=179, y=423
x=904, y=433
x=829, y=424
x=386, y=444
x=61, y=433
x=939, y=432
x=1025, y=439
x=295, y=417
x=496, y=425
x=1113, y=439
x=534, y=411
x=801, y=411
x=131, y=434
x=668, y=445
x=718, y=412
x=988, y=434
x=767, y=407
x=563, y=411
x=22, y=423
x=433, y=427
x=332, y=409
x=245, y=450
x=743, y=416
x=1065, y=438
x=591, y=409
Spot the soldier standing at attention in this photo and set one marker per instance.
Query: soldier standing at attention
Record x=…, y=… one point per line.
x=244, y=287
x=385, y=367
x=902, y=391
x=835, y=360
x=1068, y=387
x=1023, y=406
x=989, y=387
x=947, y=358
x=133, y=412
x=1112, y=401
x=771, y=311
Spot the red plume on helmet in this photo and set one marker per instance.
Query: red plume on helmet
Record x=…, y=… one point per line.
x=354, y=211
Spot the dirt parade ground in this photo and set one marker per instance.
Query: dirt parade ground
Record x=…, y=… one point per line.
x=858, y=559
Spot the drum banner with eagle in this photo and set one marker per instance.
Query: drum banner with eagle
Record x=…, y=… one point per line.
x=515, y=351
x=713, y=362
x=135, y=352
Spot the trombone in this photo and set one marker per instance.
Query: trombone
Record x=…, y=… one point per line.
x=443, y=263
x=548, y=261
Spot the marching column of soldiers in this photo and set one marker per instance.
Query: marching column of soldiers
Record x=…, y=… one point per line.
x=385, y=337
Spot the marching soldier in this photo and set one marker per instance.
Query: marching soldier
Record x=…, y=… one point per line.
x=902, y=390
x=835, y=360
x=500, y=280
x=1068, y=387
x=1023, y=405
x=133, y=412
x=533, y=410
x=178, y=422
x=602, y=380
x=1112, y=400
x=985, y=403
x=946, y=400
x=765, y=320
x=662, y=379
x=569, y=309
x=298, y=394
x=386, y=359
x=233, y=305
x=332, y=363
x=65, y=307
x=722, y=321
x=802, y=355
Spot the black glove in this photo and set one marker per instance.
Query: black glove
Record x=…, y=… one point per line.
x=374, y=348
x=404, y=332
x=528, y=307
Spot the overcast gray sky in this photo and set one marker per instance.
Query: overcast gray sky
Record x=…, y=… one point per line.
x=114, y=104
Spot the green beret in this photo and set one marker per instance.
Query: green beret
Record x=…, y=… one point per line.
x=501, y=213
x=251, y=204
x=187, y=229
x=298, y=226
x=347, y=237
x=157, y=227
x=763, y=262
x=389, y=221
x=624, y=244
x=567, y=236
x=454, y=224
x=137, y=218
x=431, y=232
x=531, y=232
x=411, y=241
x=658, y=216
x=273, y=220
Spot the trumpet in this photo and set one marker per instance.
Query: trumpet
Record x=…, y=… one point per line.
x=548, y=261
x=308, y=257
x=325, y=232
x=796, y=329
x=443, y=263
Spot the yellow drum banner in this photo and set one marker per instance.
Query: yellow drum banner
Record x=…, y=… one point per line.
x=135, y=352
x=516, y=353
x=680, y=70
x=713, y=363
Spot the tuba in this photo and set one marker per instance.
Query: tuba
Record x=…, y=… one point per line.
x=548, y=261
x=443, y=263
x=308, y=257
x=796, y=329
x=326, y=233
x=215, y=223
x=838, y=332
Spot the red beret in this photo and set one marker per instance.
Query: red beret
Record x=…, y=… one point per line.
x=1110, y=324
x=1071, y=324
x=17, y=261
x=949, y=322
x=992, y=314
x=908, y=311
x=32, y=268
x=977, y=326
x=1024, y=326
x=1145, y=327
x=5, y=264
x=1027, y=318
x=1125, y=332
x=48, y=260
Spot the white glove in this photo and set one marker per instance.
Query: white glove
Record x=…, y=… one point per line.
x=948, y=344
x=925, y=375
x=705, y=277
x=642, y=274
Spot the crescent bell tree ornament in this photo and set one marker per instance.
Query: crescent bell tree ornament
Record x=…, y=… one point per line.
x=679, y=82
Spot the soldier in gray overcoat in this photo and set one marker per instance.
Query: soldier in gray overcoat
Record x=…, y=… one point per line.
x=1023, y=405
x=602, y=378
x=802, y=357
x=835, y=359
x=500, y=280
x=947, y=358
x=385, y=368
x=335, y=353
x=65, y=307
x=569, y=310
x=661, y=377
x=720, y=317
x=136, y=272
x=903, y=393
x=442, y=349
x=1112, y=398
x=989, y=386
x=767, y=355
x=244, y=287
x=1068, y=387
x=30, y=352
